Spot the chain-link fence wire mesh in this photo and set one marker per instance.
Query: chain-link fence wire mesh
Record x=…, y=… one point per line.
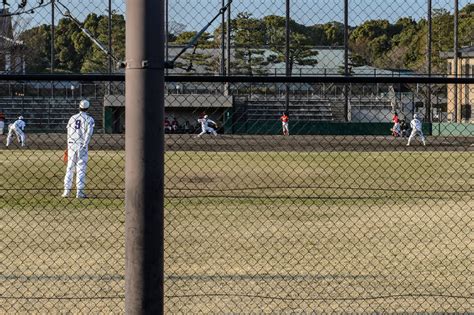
x=384, y=38
x=338, y=216
x=334, y=217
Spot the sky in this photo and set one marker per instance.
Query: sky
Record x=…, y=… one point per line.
x=197, y=13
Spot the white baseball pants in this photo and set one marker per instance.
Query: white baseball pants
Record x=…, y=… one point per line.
x=208, y=129
x=414, y=132
x=77, y=162
x=20, y=135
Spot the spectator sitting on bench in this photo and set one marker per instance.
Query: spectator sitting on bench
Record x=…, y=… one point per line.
x=174, y=125
x=167, y=125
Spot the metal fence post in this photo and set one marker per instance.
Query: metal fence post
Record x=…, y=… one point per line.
x=167, y=32
x=346, y=57
x=223, y=41
x=456, y=53
x=109, y=56
x=428, y=58
x=144, y=157
x=229, y=25
x=287, y=54
x=52, y=37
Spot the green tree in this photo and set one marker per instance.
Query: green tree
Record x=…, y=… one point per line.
x=407, y=47
x=197, y=55
x=67, y=57
x=96, y=59
x=301, y=52
x=37, y=44
x=333, y=34
x=372, y=39
x=249, y=39
x=205, y=41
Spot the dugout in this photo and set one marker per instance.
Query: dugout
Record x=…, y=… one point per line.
x=183, y=107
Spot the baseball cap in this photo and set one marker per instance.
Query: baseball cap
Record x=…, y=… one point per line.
x=84, y=104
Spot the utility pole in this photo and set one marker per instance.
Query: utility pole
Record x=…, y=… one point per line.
x=144, y=157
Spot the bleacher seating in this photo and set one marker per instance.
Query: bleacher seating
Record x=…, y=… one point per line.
x=305, y=110
x=44, y=114
x=310, y=109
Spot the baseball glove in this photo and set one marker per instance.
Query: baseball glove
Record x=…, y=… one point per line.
x=65, y=156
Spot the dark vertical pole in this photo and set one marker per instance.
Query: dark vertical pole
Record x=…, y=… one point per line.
x=346, y=58
x=52, y=47
x=428, y=59
x=52, y=36
x=456, y=53
x=110, y=36
x=144, y=157
x=109, y=87
x=167, y=31
x=223, y=40
x=229, y=26
x=287, y=54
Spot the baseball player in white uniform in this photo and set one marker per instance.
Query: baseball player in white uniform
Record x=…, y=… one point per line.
x=205, y=126
x=18, y=127
x=79, y=132
x=415, y=125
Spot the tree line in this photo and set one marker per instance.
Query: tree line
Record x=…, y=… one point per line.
x=379, y=43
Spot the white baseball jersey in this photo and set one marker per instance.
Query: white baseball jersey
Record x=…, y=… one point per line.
x=19, y=125
x=205, y=123
x=415, y=124
x=79, y=132
x=205, y=126
x=80, y=129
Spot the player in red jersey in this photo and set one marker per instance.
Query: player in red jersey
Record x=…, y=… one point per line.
x=284, y=122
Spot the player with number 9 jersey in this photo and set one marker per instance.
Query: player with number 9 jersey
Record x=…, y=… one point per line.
x=79, y=133
x=80, y=129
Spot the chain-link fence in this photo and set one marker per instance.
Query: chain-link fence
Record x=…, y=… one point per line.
x=363, y=204
x=335, y=217
x=383, y=38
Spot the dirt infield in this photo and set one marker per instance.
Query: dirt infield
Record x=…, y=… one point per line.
x=250, y=143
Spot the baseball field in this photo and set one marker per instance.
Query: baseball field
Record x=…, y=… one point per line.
x=252, y=225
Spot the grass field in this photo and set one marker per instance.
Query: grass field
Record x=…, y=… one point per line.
x=247, y=232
